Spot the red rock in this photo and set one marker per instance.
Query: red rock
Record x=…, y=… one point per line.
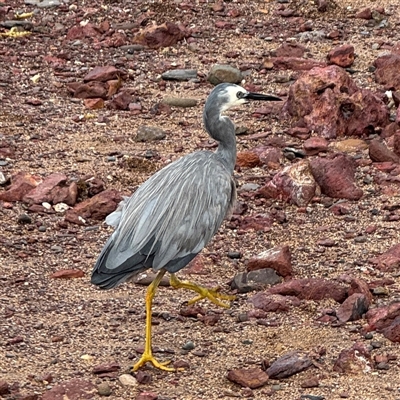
x=270, y=156
x=65, y=194
x=396, y=143
x=360, y=286
x=97, y=207
x=354, y=360
x=147, y=396
x=80, y=32
x=6, y=152
x=389, y=260
x=43, y=192
x=165, y=35
x=277, y=258
x=290, y=50
x=387, y=71
x=94, y=104
x=343, y=56
x=296, y=64
x=398, y=116
x=74, y=389
x=258, y=222
x=380, y=153
x=392, y=332
x=311, y=289
x=4, y=388
x=353, y=308
x=315, y=145
x=327, y=101
x=274, y=302
x=310, y=383
x=294, y=184
x=113, y=87
x=121, y=101
x=103, y=74
x=336, y=177
x=88, y=90
x=252, y=377
x=67, y=274
x=300, y=132
x=365, y=13
x=288, y=365
x=248, y=159
x=21, y=184
x=102, y=368
x=381, y=318
x=224, y=25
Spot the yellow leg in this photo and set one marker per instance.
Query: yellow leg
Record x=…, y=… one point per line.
x=212, y=294
x=147, y=356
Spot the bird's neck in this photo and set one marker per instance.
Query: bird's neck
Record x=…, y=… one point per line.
x=222, y=129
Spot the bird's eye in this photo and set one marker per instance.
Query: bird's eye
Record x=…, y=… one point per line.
x=240, y=95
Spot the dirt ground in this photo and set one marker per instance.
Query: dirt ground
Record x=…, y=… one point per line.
x=68, y=326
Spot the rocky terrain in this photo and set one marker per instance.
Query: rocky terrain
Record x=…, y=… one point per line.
x=97, y=96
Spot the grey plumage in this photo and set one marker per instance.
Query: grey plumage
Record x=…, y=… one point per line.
x=174, y=214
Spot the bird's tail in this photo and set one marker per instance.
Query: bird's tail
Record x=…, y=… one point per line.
x=108, y=278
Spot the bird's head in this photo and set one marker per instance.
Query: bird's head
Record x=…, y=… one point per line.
x=227, y=95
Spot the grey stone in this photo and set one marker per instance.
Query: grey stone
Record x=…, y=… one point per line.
x=3, y=179
x=288, y=365
x=179, y=75
x=104, y=389
x=149, y=134
x=224, y=73
x=11, y=23
x=180, y=102
x=49, y=3
x=32, y=2
x=245, y=282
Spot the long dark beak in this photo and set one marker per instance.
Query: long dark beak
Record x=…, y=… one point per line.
x=259, y=96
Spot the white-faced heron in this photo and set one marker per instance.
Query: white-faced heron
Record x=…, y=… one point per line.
x=175, y=213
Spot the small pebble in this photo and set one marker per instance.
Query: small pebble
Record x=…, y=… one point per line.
x=383, y=365
x=368, y=336
x=24, y=219
x=234, y=254
x=188, y=346
x=42, y=228
x=376, y=345
x=104, y=389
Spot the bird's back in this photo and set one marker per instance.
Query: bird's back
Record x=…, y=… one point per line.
x=168, y=220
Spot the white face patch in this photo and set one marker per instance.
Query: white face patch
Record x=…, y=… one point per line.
x=231, y=93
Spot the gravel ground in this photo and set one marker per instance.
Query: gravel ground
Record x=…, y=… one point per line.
x=67, y=327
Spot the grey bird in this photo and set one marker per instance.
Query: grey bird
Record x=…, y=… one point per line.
x=174, y=214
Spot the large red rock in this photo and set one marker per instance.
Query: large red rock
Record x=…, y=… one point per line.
x=336, y=177
x=315, y=145
x=381, y=318
x=74, y=389
x=277, y=258
x=389, y=260
x=328, y=102
x=252, y=377
x=247, y=159
x=67, y=274
x=311, y=289
x=165, y=35
x=379, y=152
x=343, y=56
x=54, y=189
x=103, y=74
x=83, y=31
x=97, y=207
x=21, y=184
x=294, y=184
x=88, y=90
x=290, y=50
x=353, y=308
x=387, y=71
x=354, y=360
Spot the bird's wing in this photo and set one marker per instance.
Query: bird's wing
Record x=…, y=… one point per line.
x=174, y=214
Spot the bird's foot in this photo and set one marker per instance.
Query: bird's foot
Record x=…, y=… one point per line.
x=203, y=293
x=148, y=357
x=214, y=296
